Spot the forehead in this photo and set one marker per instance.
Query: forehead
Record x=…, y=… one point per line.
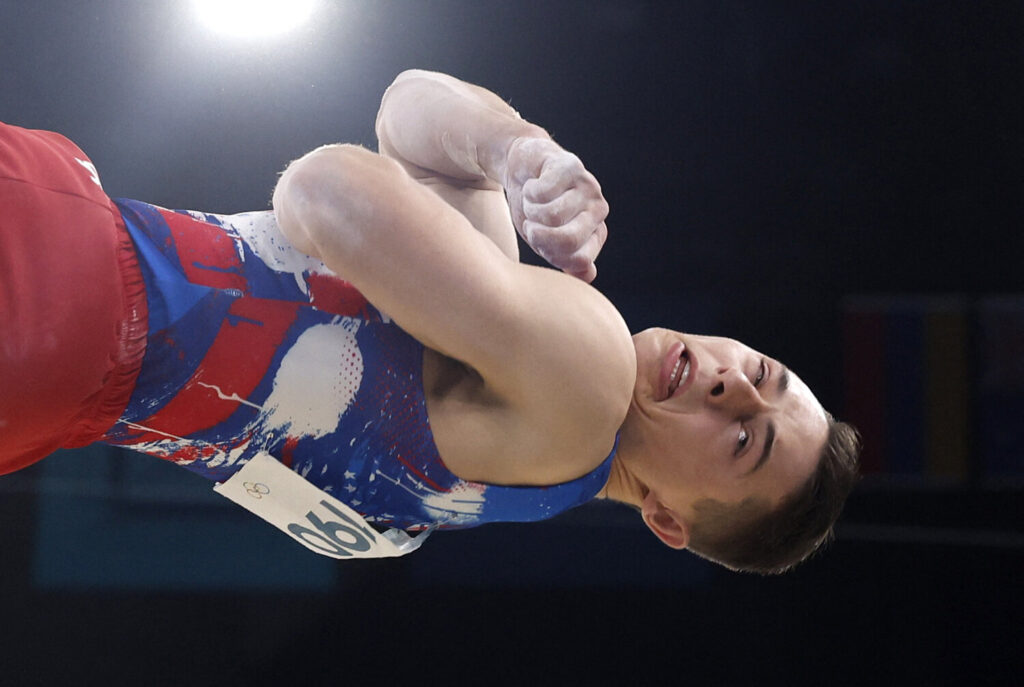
x=803, y=400
x=802, y=431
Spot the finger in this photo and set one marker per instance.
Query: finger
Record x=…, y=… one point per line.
x=570, y=248
x=582, y=263
x=588, y=275
x=587, y=252
x=565, y=207
x=554, y=213
x=546, y=187
x=576, y=234
x=579, y=267
x=554, y=243
x=569, y=174
x=599, y=208
x=595, y=242
x=557, y=175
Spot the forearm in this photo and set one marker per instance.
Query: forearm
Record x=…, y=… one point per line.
x=458, y=137
x=449, y=127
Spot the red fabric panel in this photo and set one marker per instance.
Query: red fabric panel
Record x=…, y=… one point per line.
x=72, y=334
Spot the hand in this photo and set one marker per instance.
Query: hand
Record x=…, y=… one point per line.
x=557, y=205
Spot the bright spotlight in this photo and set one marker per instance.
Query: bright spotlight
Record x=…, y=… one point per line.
x=253, y=17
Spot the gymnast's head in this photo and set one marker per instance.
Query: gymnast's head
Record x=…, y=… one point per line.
x=727, y=453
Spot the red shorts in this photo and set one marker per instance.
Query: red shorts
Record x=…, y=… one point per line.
x=72, y=300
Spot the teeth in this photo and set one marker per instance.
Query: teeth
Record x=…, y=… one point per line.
x=673, y=382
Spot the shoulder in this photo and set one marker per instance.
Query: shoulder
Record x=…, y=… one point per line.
x=575, y=342
x=585, y=378
x=551, y=412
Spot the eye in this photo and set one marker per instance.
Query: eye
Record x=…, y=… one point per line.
x=742, y=440
x=762, y=373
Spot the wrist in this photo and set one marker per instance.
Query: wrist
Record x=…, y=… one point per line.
x=496, y=161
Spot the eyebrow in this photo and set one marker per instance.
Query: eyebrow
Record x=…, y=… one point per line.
x=783, y=380
x=769, y=440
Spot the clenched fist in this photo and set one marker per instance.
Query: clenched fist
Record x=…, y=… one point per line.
x=557, y=205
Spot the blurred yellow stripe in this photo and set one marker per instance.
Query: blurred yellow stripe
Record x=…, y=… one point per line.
x=947, y=391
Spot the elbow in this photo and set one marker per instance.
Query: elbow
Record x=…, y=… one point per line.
x=405, y=95
x=412, y=74
x=421, y=78
x=290, y=203
x=332, y=198
x=322, y=191
x=405, y=79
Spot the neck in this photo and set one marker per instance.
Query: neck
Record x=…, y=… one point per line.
x=623, y=485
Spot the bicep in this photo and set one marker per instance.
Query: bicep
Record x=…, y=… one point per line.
x=411, y=254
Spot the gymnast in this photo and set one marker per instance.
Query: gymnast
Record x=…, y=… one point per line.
x=377, y=334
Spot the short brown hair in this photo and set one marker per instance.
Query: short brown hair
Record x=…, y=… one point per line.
x=744, y=537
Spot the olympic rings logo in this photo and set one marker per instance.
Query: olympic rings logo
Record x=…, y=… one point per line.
x=257, y=490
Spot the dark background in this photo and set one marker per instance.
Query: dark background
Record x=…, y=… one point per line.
x=764, y=161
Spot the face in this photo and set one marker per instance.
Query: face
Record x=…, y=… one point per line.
x=716, y=419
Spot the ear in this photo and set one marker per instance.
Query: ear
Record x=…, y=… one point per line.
x=667, y=525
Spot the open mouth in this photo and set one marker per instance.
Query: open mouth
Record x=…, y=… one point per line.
x=676, y=370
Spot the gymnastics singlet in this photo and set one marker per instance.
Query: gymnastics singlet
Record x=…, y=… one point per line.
x=254, y=347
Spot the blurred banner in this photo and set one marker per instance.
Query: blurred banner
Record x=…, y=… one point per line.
x=936, y=384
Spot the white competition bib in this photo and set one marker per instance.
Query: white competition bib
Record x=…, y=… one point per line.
x=310, y=515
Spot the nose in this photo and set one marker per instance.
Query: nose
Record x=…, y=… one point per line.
x=731, y=390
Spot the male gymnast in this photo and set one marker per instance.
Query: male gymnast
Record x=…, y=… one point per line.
x=377, y=334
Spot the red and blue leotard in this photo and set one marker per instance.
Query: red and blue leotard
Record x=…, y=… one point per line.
x=254, y=346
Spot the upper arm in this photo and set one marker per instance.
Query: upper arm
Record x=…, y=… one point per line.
x=534, y=335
